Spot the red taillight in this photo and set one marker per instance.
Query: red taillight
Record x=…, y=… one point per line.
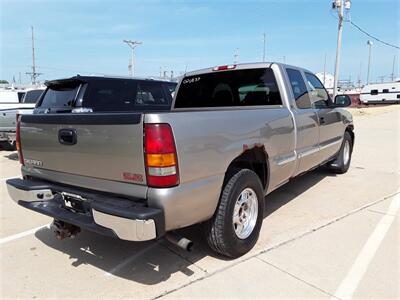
x=160, y=156
x=224, y=68
x=18, y=139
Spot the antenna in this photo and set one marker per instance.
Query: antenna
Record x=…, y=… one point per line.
x=325, y=70
x=34, y=75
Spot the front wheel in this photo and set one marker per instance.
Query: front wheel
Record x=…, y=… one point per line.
x=235, y=226
x=341, y=163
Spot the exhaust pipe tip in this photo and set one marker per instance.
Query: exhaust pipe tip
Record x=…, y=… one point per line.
x=190, y=246
x=179, y=241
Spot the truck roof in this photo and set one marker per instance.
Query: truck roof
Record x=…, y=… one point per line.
x=253, y=65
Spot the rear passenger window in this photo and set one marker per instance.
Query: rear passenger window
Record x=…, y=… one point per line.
x=251, y=87
x=385, y=91
x=374, y=92
x=299, y=89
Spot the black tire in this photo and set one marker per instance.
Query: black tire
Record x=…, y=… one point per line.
x=5, y=145
x=338, y=165
x=219, y=230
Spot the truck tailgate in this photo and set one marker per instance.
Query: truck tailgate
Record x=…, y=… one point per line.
x=103, y=145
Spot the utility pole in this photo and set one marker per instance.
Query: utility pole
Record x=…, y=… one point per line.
x=236, y=56
x=393, y=75
x=359, y=76
x=339, y=5
x=264, y=40
x=132, y=45
x=34, y=75
x=369, y=43
x=325, y=70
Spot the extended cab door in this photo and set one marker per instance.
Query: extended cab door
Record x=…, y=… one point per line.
x=306, y=120
x=331, y=127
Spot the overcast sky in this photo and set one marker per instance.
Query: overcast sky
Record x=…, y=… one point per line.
x=86, y=36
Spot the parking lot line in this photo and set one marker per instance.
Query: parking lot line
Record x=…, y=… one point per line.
x=129, y=260
x=360, y=265
x=6, y=178
x=21, y=234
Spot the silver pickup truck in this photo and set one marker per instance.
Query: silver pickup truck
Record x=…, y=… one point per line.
x=125, y=159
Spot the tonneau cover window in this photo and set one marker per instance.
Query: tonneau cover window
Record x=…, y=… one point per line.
x=60, y=95
x=108, y=95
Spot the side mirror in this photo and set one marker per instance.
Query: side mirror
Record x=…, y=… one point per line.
x=342, y=101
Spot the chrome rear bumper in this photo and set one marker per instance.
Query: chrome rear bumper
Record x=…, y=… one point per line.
x=122, y=218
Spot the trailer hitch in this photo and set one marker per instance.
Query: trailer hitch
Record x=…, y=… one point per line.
x=64, y=230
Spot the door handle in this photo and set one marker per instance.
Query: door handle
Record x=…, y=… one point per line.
x=322, y=120
x=67, y=136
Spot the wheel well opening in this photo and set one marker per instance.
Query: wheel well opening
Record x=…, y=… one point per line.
x=255, y=159
x=350, y=129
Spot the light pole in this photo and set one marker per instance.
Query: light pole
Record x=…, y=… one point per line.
x=339, y=5
x=132, y=45
x=369, y=43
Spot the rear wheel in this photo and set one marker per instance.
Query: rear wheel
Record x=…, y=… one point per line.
x=235, y=226
x=341, y=163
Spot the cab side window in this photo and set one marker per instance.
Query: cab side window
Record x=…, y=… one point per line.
x=318, y=95
x=299, y=89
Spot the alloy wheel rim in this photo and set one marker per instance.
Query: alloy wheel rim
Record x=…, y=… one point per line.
x=245, y=213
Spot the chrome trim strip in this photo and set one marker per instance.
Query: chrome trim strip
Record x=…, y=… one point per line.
x=29, y=196
x=127, y=229
x=286, y=160
x=319, y=148
x=308, y=152
x=330, y=144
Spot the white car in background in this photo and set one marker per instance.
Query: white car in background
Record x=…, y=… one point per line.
x=9, y=97
x=10, y=106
